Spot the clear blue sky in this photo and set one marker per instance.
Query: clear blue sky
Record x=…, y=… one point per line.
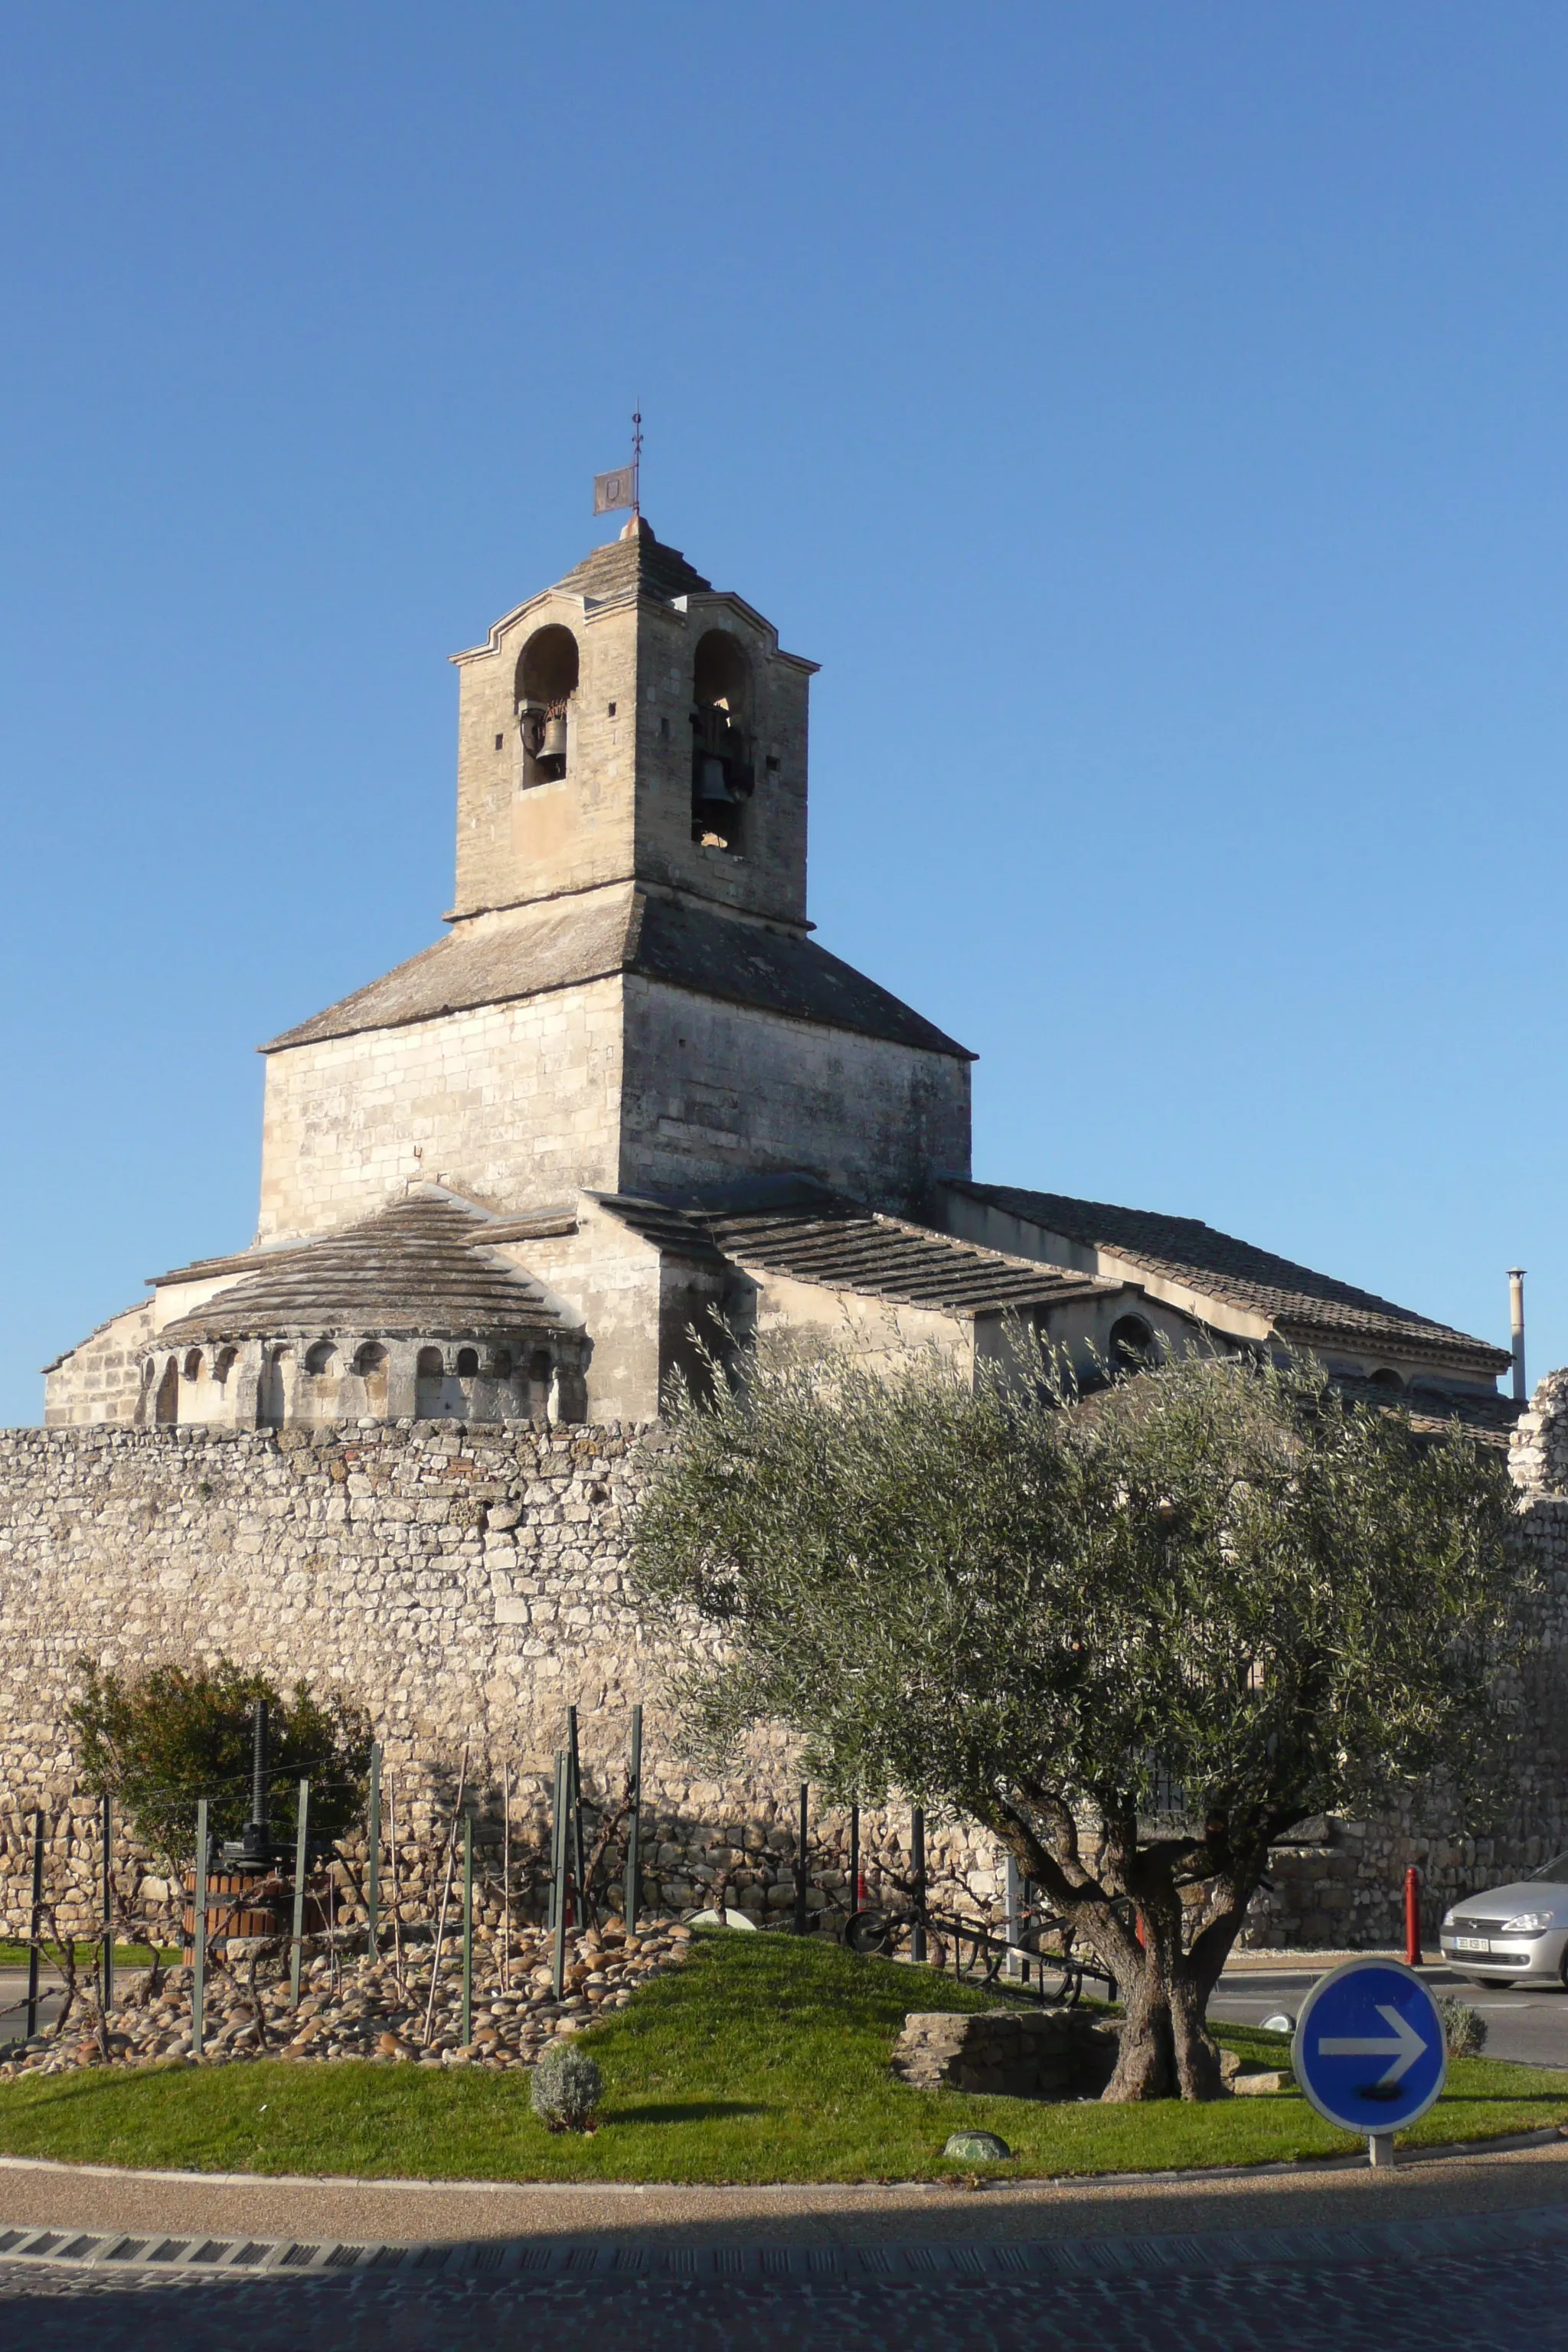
x=1151, y=415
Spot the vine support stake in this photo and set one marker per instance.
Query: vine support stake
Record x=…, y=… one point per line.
x=199, y=1938
x=37, y=1922
x=467, y=2032
x=107, y=2000
x=634, y=1828
x=558, y=1877
x=372, y=1859
x=299, y=1936
x=801, y=1866
x=918, y=1864
x=575, y=1815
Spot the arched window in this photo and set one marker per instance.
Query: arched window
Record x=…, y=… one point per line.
x=224, y=1363
x=321, y=1357
x=546, y=682
x=468, y=1363
x=192, y=1365
x=370, y=1358
x=166, y=1410
x=1385, y=1377
x=273, y=1394
x=502, y=1366
x=1132, y=1344
x=723, y=767
x=432, y=1364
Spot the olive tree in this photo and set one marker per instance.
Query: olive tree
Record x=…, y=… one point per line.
x=1038, y=1614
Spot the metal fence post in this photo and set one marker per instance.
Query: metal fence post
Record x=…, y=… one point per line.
x=107, y=2002
x=467, y=2032
x=917, y=1861
x=558, y=1879
x=634, y=1828
x=199, y=1936
x=299, y=1936
x=1013, y=1924
x=372, y=1861
x=800, y=1860
x=574, y=1814
x=856, y=1896
x=38, y=1921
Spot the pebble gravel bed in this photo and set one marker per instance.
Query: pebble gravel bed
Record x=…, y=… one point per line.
x=354, y=2006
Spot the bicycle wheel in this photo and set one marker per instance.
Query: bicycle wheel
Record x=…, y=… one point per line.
x=868, y=1932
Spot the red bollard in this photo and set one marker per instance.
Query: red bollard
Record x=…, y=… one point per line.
x=1412, y=1917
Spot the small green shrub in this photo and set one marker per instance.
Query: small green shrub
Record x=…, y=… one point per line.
x=1464, y=2028
x=158, y=1740
x=567, y=2088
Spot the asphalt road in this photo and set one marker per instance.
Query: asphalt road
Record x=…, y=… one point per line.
x=1530, y=2024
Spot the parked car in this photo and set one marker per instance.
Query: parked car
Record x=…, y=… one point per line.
x=1514, y=1933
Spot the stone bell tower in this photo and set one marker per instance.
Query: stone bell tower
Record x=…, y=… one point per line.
x=631, y=724
x=628, y=999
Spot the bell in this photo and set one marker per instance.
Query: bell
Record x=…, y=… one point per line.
x=554, y=746
x=713, y=782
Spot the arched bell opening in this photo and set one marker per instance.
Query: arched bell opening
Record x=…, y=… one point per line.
x=166, y=1404
x=723, y=771
x=546, y=683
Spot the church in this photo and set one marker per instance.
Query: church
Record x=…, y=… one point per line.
x=629, y=1090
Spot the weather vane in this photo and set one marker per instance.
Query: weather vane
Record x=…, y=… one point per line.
x=623, y=486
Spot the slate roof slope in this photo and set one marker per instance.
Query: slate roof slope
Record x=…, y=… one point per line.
x=1303, y=1306
x=624, y=929
x=844, y=1246
x=423, y=1265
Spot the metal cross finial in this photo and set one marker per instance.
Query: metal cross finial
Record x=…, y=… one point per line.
x=637, y=460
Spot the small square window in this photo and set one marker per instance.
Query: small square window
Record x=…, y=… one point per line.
x=500, y=742
x=612, y=710
x=772, y=765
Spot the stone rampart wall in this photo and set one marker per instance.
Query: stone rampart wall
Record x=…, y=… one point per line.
x=468, y=1583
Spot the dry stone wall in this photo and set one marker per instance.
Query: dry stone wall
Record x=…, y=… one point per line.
x=468, y=1583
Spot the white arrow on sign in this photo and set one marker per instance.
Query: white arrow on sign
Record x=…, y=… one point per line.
x=1404, y=2049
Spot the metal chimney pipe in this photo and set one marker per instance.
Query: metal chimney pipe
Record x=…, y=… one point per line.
x=1516, y=1330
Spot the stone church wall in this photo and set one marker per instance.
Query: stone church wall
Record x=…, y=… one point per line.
x=468, y=1583
x=473, y=1099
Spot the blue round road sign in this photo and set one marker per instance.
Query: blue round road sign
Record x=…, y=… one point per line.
x=1369, y=2050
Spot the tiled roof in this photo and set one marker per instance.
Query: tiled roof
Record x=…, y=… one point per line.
x=425, y=1265
x=1306, y=1307
x=564, y=945
x=843, y=1246
x=1489, y=1414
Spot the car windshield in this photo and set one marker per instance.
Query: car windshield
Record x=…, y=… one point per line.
x=1554, y=1871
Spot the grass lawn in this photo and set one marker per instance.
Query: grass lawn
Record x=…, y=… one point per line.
x=126, y=1956
x=762, y=2059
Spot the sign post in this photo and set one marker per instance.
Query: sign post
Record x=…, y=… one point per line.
x=1369, y=2051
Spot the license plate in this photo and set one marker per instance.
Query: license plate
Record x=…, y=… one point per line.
x=1471, y=1944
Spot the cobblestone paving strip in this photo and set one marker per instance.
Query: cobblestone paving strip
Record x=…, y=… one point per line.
x=1393, y=2305
x=1416, y=2240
